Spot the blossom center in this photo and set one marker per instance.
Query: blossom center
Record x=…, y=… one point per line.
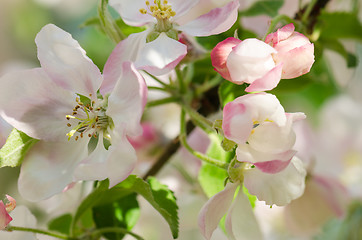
x=88, y=118
x=162, y=11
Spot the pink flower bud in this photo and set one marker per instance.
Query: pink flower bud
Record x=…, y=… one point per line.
x=294, y=50
x=5, y=218
x=249, y=61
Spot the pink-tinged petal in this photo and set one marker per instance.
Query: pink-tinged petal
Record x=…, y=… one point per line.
x=220, y=54
x=48, y=168
x=216, y=21
x=161, y=55
x=269, y=81
x=126, y=50
x=127, y=100
x=41, y=108
x=297, y=62
x=130, y=11
x=11, y=205
x=66, y=62
x=5, y=218
x=215, y=208
x=240, y=223
x=323, y=199
x=121, y=161
x=280, y=188
x=237, y=122
x=281, y=34
x=24, y=218
x=264, y=161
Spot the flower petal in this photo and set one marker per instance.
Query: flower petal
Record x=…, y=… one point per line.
x=5, y=218
x=323, y=199
x=216, y=21
x=94, y=167
x=161, y=55
x=280, y=188
x=41, y=108
x=220, y=53
x=215, y=208
x=121, y=161
x=281, y=34
x=250, y=60
x=241, y=223
x=66, y=62
x=265, y=161
x=269, y=81
x=182, y=7
x=127, y=100
x=48, y=168
x=130, y=11
x=126, y=50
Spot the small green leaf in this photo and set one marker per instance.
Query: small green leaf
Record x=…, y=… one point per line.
x=122, y=213
x=228, y=91
x=61, y=224
x=212, y=178
x=252, y=198
x=15, y=148
x=337, y=46
x=264, y=7
x=340, y=25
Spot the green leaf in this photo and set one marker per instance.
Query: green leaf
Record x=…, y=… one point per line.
x=212, y=178
x=126, y=29
x=122, y=213
x=339, y=25
x=265, y=7
x=158, y=195
x=61, y=224
x=15, y=148
x=228, y=91
x=337, y=46
x=252, y=198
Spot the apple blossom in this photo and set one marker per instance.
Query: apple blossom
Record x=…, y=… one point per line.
x=249, y=61
x=284, y=54
x=262, y=130
x=294, y=50
x=323, y=199
x=278, y=188
x=5, y=218
x=60, y=105
x=157, y=49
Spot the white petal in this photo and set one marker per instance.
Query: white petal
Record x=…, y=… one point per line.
x=240, y=222
x=126, y=50
x=41, y=108
x=280, y=188
x=182, y=7
x=66, y=62
x=121, y=161
x=48, y=168
x=250, y=60
x=127, y=100
x=161, y=55
x=215, y=208
x=216, y=21
x=94, y=167
x=130, y=11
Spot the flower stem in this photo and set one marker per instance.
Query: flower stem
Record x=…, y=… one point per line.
x=197, y=154
x=108, y=24
x=162, y=101
x=34, y=230
x=114, y=230
x=200, y=120
x=308, y=10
